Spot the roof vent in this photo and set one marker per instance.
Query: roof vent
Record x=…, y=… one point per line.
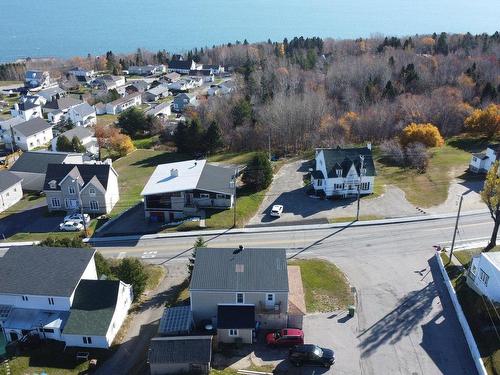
x=174, y=172
x=240, y=268
x=52, y=184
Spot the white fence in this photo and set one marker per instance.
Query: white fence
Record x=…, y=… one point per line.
x=474, y=351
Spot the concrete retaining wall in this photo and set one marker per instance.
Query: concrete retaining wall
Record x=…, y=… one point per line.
x=474, y=351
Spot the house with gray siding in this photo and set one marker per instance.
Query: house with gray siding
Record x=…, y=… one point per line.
x=183, y=189
x=96, y=185
x=238, y=288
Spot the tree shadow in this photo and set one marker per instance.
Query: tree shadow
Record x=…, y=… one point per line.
x=167, y=157
x=470, y=144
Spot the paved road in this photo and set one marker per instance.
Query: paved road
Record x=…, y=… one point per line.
x=405, y=322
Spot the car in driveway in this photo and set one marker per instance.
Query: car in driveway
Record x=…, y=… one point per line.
x=285, y=337
x=77, y=217
x=310, y=354
x=277, y=210
x=71, y=226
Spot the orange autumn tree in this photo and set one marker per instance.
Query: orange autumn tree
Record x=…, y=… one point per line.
x=427, y=134
x=485, y=121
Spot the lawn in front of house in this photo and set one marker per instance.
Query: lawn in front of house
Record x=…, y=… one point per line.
x=106, y=120
x=145, y=143
x=429, y=188
x=234, y=158
x=134, y=171
x=325, y=285
x=465, y=256
x=28, y=201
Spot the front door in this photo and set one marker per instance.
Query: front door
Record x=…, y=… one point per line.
x=270, y=300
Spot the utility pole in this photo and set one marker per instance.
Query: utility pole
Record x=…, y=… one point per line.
x=456, y=226
x=234, y=195
x=80, y=203
x=362, y=157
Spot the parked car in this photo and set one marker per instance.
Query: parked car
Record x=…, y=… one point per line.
x=77, y=217
x=311, y=355
x=285, y=337
x=71, y=226
x=277, y=210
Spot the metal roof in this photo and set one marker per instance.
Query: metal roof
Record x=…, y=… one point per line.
x=176, y=320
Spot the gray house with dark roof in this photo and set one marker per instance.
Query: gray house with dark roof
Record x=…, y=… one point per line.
x=95, y=185
x=59, y=297
x=340, y=172
x=237, y=287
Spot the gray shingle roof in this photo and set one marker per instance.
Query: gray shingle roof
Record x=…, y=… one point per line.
x=87, y=172
x=188, y=349
x=240, y=271
x=63, y=103
x=37, y=161
x=344, y=158
x=158, y=90
x=185, y=65
x=93, y=307
x=216, y=179
x=32, y=126
x=236, y=316
x=45, y=271
x=8, y=179
x=78, y=131
x=84, y=109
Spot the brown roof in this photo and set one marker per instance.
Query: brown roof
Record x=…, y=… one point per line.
x=296, y=297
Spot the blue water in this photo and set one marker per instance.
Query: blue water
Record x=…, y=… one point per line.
x=67, y=28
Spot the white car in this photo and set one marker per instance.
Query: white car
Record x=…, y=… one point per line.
x=77, y=217
x=71, y=226
x=277, y=210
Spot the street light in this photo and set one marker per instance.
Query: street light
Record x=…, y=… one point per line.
x=80, y=204
x=232, y=184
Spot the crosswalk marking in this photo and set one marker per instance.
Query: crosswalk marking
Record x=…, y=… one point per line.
x=149, y=254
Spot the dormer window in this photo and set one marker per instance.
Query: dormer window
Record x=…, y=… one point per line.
x=71, y=190
x=92, y=192
x=53, y=184
x=339, y=172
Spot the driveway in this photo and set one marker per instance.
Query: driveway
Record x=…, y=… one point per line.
x=288, y=190
x=34, y=219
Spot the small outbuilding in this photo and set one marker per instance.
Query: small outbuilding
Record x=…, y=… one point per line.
x=177, y=355
x=235, y=323
x=176, y=321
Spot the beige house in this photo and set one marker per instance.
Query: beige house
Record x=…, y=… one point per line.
x=96, y=185
x=238, y=289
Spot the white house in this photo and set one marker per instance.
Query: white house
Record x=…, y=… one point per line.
x=338, y=172
x=36, y=79
x=182, y=66
x=110, y=82
x=160, y=110
x=147, y=70
x=6, y=131
x=482, y=162
x=70, y=305
x=84, y=135
x=11, y=191
x=82, y=114
x=483, y=275
x=156, y=93
x=184, y=100
x=28, y=107
x=52, y=93
x=32, y=133
x=81, y=72
x=120, y=105
x=58, y=109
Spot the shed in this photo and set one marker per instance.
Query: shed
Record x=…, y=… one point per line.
x=176, y=321
x=182, y=354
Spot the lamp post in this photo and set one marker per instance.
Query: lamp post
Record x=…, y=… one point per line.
x=233, y=183
x=80, y=204
x=456, y=226
x=359, y=184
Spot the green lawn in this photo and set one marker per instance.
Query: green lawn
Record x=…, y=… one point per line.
x=28, y=200
x=106, y=120
x=134, y=171
x=465, y=256
x=325, y=285
x=145, y=143
x=232, y=158
x=429, y=188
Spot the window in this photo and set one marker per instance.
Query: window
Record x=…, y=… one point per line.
x=71, y=189
x=94, y=206
x=233, y=332
x=7, y=194
x=24, y=298
x=240, y=298
x=320, y=182
x=365, y=185
x=338, y=186
x=270, y=298
x=87, y=340
x=55, y=202
x=484, y=277
x=339, y=172
x=47, y=330
x=475, y=159
x=51, y=301
x=221, y=196
x=92, y=192
x=204, y=195
x=66, y=203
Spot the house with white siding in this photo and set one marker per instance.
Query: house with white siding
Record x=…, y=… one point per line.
x=118, y=106
x=339, y=172
x=11, y=190
x=28, y=107
x=483, y=275
x=30, y=134
x=70, y=305
x=84, y=135
x=82, y=114
x=182, y=66
x=482, y=162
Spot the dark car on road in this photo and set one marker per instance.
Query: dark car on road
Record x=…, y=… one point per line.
x=311, y=355
x=285, y=337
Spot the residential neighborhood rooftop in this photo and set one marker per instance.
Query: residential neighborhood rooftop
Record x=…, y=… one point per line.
x=51, y=271
x=63, y=103
x=344, y=158
x=78, y=131
x=37, y=161
x=240, y=269
x=125, y=99
x=494, y=258
x=183, y=349
x=93, y=307
x=97, y=173
x=32, y=126
x=235, y=316
x=8, y=179
x=84, y=109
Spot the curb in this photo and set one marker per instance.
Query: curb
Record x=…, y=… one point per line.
x=284, y=228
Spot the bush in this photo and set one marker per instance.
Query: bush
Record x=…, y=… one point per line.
x=75, y=242
x=259, y=173
x=393, y=152
x=417, y=156
x=426, y=134
x=132, y=271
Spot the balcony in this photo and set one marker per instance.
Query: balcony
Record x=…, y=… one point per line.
x=263, y=308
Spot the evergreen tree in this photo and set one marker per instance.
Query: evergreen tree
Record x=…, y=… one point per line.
x=489, y=92
x=63, y=144
x=213, y=138
x=133, y=122
x=389, y=91
x=259, y=173
x=200, y=242
x=442, y=44
x=132, y=271
x=76, y=145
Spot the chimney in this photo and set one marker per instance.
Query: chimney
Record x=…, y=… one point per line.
x=240, y=247
x=369, y=145
x=174, y=172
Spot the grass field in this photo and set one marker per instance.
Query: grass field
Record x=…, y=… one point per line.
x=232, y=158
x=429, y=188
x=106, y=120
x=325, y=285
x=145, y=143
